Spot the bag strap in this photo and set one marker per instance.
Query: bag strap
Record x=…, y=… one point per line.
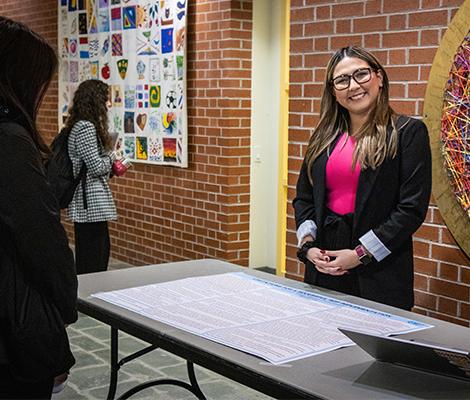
x=82, y=177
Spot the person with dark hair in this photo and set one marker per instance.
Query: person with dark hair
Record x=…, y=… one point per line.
x=364, y=186
x=90, y=143
x=37, y=272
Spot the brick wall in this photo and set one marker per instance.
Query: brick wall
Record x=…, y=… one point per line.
x=170, y=214
x=40, y=16
x=404, y=35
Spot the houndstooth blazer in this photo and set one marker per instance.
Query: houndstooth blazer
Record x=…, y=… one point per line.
x=85, y=146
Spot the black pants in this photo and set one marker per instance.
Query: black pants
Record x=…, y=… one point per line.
x=92, y=247
x=12, y=388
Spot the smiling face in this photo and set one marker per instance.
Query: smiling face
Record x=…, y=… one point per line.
x=358, y=99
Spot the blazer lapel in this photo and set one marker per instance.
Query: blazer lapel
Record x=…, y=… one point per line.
x=365, y=185
x=319, y=186
x=319, y=183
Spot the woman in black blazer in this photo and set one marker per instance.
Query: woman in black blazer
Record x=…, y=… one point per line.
x=364, y=186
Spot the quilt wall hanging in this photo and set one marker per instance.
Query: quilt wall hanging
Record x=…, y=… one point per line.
x=138, y=48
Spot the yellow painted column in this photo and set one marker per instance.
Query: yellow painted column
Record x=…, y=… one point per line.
x=283, y=143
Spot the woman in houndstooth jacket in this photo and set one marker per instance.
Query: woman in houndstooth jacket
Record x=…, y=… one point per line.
x=90, y=143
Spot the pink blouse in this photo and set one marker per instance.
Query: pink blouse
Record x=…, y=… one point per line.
x=341, y=183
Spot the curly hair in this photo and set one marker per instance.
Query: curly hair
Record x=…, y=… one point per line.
x=26, y=71
x=89, y=104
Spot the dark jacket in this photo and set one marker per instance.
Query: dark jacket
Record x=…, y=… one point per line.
x=391, y=200
x=30, y=227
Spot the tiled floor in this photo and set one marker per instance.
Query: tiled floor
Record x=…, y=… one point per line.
x=89, y=379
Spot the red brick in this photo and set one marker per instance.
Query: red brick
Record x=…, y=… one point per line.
x=304, y=45
x=449, y=254
x=449, y=3
x=371, y=40
x=397, y=22
x=422, y=56
x=301, y=76
x=373, y=7
x=421, y=283
x=400, y=39
x=347, y=10
x=397, y=91
x=449, y=272
x=323, y=12
x=437, y=217
x=397, y=57
x=300, y=106
x=303, y=14
x=429, y=18
x=321, y=44
x=428, y=233
x=447, y=237
x=317, y=60
x=400, y=6
x=429, y=37
x=313, y=90
x=425, y=266
x=339, y=42
x=430, y=4
x=465, y=310
x=404, y=107
x=319, y=28
x=343, y=26
x=425, y=71
x=465, y=275
x=425, y=300
x=421, y=249
x=295, y=91
x=369, y=24
x=402, y=74
x=449, y=289
x=448, y=306
x=416, y=90
x=295, y=61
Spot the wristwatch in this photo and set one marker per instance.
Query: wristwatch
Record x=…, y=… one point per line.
x=363, y=257
x=302, y=252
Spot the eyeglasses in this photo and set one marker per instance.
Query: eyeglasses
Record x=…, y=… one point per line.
x=362, y=75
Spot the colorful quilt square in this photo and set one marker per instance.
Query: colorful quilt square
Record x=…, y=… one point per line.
x=155, y=96
x=104, y=20
x=116, y=19
x=167, y=40
x=82, y=24
x=116, y=44
x=129, y=17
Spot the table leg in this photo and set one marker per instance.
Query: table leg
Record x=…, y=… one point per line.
x=192, y=378
x=193, y=387
x=114, y=364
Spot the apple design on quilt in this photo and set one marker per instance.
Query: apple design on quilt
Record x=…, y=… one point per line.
x=105, y=71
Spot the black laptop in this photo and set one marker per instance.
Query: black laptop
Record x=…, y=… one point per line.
x=409, y=353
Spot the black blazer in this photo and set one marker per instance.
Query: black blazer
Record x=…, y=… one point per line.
x=391, y=200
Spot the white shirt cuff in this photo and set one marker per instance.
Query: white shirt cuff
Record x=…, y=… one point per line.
x=374, y=246
x=307, y=227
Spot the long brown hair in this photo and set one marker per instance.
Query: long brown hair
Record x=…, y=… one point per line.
x=371, y=147
x=89, y=104
x=27, y=66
